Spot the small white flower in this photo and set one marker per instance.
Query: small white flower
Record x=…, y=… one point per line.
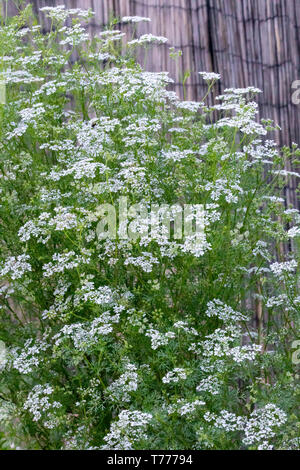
x=174, y=376
x=209, y=76
x=134, y=19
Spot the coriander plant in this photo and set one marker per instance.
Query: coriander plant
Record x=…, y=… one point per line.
x=158, y=337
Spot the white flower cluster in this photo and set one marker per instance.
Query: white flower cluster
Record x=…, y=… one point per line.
x=128, y=429
x=77, y=440
x=119, y=390
x=261, y=249
x=262, y=425
x=241, y=354
x=282, y=269
x=15, y=267
x=231, y=190
x=29, y=358
x=134, y=19
x=64, y=220
x=276, y=301
x=85, y=335
x=259, y=428
x=196, y=244
x=102, y=295
x=192, y=106
x=183, y=325
x=108, y=37
x=159, y=339
x=146, y=261
x=37, y=229
x=220, y=344
x=185, y=407
x=65, y=261
x=224, y=312
x=147, y=39
x=294, y=232
x=226, y=420
x=59, y=13
x=210, y=384
x=84, y=168
x=38, y=403
x=174, y=376
x=73, y=36
x=177, y=155
x=210, y=76
x=29, y=117
x=20, y=76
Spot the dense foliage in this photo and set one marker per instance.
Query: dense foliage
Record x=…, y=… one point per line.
x=150, y=341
